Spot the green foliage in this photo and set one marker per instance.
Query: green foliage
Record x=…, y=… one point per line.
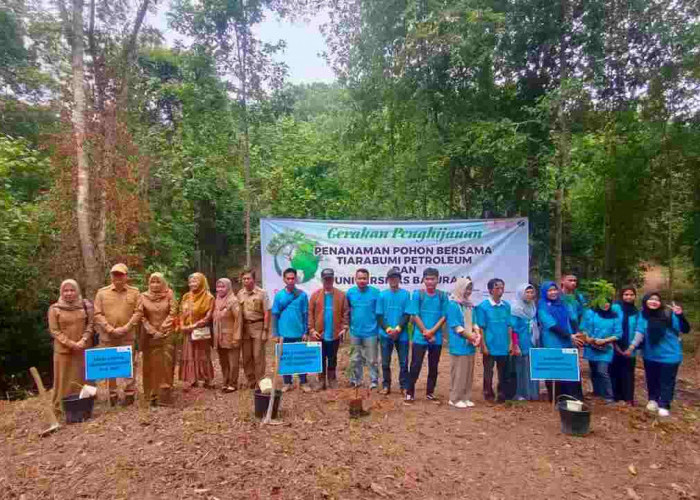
x=599, y=293
x=23, y=340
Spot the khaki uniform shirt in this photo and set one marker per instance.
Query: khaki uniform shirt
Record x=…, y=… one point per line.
x=254, y=303
x=114, y=309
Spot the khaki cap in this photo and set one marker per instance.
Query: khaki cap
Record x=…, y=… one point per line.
x=119, y=268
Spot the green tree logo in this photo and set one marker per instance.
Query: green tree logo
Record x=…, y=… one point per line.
x=294, y=249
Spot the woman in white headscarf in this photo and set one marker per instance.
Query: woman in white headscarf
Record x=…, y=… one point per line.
x=464, y=337
x=524, y=321
x=70, y=325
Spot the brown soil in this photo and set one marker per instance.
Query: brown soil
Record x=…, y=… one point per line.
x=210, y=446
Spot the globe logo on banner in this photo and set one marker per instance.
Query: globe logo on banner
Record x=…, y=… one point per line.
x=294, y=249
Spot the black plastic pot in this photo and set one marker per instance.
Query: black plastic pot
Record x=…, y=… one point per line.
x=76, y=409
x=575, y=423
x=262, y=401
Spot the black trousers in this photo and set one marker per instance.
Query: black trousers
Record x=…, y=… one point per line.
x=417, y=353
x=329, y=352
x=622, y=376
x=507, y=381
x=661, y=382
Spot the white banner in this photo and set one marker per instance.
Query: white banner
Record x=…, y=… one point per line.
x=481, y=249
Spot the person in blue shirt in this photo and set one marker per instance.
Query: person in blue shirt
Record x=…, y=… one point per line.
x=573, y=299
x=623, y=367
x=362, y=299
x=428, y=309
x=464, y=338
x=393, y=320
x=557, y=331
x=660, y=330
x=498, y=347
x=602, y=327
x=524, y=322
x=290, y=319
x=328, y=322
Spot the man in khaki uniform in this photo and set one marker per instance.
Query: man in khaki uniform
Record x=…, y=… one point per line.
x=116, y=318
x=256, y=327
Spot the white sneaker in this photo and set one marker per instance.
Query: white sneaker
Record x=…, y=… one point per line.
x=652, y=406
x=663, y=412
x=461, y=404
x=469, y=404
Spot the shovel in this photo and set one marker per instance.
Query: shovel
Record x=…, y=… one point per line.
x=273, y=391
x=48, y=404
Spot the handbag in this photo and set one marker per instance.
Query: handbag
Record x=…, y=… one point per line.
x=203, y=333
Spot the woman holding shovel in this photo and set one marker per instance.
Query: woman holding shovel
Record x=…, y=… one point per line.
x=70, y=325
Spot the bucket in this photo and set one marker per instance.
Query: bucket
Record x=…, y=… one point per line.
x=575, y=417
x=77, y=409
x=262, y=401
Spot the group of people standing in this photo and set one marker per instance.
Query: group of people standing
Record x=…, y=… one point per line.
x=237, y=327
x=608, y=331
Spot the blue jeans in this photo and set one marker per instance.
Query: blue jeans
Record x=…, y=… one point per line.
x=600, y=376
x=388, y=346
x=525, y=388
x=364, y=352
x=288, y=379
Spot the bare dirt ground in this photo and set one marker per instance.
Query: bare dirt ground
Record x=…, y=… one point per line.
x=210, y=446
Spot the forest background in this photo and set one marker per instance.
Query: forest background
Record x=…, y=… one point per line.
x=581, y=115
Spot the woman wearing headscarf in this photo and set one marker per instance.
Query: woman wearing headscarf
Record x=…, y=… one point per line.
x=523, y=313
x=602, y=327
x=464, y=337
x=158, y=310
x=196, y=308
x=622, y=366
x=557, y=331
x=228, y=331
x=70, y=325
x=660, y=330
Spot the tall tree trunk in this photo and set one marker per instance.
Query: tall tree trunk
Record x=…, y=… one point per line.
x=610, y=257
x=564, y=142
x=87, y=247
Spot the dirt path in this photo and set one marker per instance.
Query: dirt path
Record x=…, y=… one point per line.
x=209, y=446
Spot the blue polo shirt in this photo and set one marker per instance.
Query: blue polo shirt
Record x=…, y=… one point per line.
x=522, y=327
x=392, y=306
x=430, y=308
x=598, y=327
x=548, y=337
x=292, y=323
x=576, y=304
x=363, y=311
x=459, y=346
x=495, y=320
x=327, y=316
x=667, y=350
